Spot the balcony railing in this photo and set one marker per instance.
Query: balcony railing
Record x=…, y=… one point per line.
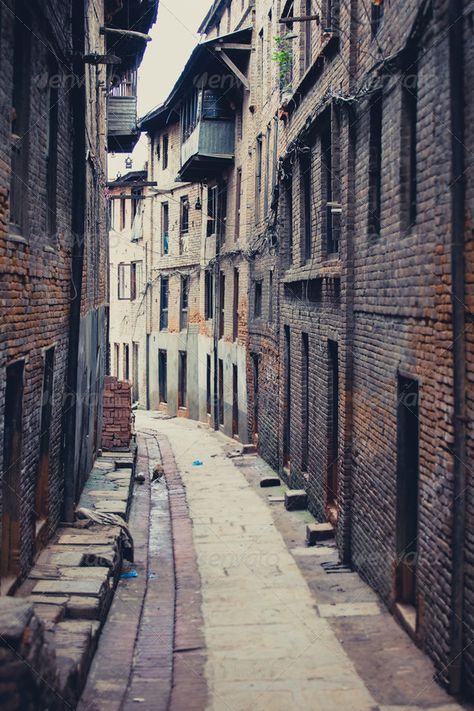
x=122, y=130
x=210, y=146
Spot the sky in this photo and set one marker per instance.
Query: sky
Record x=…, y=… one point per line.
x=174, y=37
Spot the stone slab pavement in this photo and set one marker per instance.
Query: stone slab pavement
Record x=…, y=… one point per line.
x=270, y=639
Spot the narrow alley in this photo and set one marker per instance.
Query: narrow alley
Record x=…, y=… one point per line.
x=261, y=620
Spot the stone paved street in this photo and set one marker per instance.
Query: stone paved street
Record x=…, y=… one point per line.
x=259, y=623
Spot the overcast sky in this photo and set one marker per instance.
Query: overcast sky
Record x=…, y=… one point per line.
x=174, y=38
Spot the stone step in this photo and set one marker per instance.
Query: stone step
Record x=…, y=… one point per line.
x=296, y=500
x=75, y=642
x=268, y=481
x=318, y=532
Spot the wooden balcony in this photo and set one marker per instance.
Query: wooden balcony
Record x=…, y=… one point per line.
x=122, y=130
x=207, y=150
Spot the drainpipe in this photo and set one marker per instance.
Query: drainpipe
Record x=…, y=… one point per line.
x=78, y=199
x=456, y=77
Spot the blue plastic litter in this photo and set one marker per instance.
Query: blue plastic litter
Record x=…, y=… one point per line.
x=129, y=574
x=197, y=463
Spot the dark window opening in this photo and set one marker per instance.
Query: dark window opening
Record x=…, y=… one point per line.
x=238, y=191
x=409, y=143
x=123, y=281
x=221, y=304
x=333, y=424
x=117, y=360
x=136, y=199
x=184, y=302
x=256, y=395
x=235, y=319
x=305, y=402
x=306, y=194
x=20, y=114
x=257, y=299
x=12, y=466
x=289, y=213
x=376, y=16
x=164, y=299
x=270, y=296
x=52, y=157
x=222, y=213
x=208, y=294
x=165, y=151
x=407, y=488
x=332, y=244
x=258, y=177
x=163, y=376
x=135, y=279
x=123, y=213
x=375, y=165
x=182, y=379
x=165, y=226
x=307, y=36
x=184, y=215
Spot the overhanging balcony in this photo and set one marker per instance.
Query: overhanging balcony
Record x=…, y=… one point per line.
x=122, y=130
x=208, y=149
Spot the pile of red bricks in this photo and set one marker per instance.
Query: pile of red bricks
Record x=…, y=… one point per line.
x=117, y=422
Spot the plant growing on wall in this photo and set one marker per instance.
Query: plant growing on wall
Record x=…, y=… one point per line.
x=283, y=56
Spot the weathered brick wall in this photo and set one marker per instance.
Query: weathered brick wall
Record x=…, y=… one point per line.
x=117, y=420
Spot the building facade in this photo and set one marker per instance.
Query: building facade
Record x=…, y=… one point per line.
x=53, y=257
x=343, y=149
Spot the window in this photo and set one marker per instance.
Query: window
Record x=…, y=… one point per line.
x=137, y=195
x=184, y=215
x=257, y=302
x=306, y=193
x=307, y=36
x=209, y=294
x=165, y=224
x=256, y=387
x=258, y=177
x=235, y=401
x=164, y=298
x=222, y=213
x=375, y=165
x=135, y=279
x=235, y=320
x=184, y=302
x=116, y=360
x=163, y=376
x=328, y=20
x=212, y=210
x=409, y=143
x=124, y=286
x=123, y=213
x=42, y=480
x=12, y=466
x=52, y=155
x=289, y=213
x=165, y=151
x=126, y=362
x=270, y=296
x=158, y=148
x=376, y=16
x=221, y=304
x=332, y=244
x=238, y=191
x=20, y=114
x=267, y=168
x=182, y=379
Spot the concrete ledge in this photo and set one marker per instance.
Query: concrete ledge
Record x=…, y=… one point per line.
x=296, y=500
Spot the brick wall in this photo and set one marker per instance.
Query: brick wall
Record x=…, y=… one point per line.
x=117, y=420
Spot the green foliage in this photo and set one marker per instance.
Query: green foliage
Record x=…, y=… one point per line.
x=283, y=55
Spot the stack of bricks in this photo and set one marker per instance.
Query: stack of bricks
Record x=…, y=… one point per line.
x=117, y=422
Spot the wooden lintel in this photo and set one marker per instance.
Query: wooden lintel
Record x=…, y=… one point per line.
x=235, y=45
x=303, y=18
x=227, y=60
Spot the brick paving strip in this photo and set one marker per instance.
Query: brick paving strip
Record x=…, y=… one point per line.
x=144, y=659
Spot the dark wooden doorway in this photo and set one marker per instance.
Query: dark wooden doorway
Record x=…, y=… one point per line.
x=12, y=464
x=287, y=399
x=42, y=481
x=256, y=387
x=235, y=401
x=333, y=429
x=407, y=489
